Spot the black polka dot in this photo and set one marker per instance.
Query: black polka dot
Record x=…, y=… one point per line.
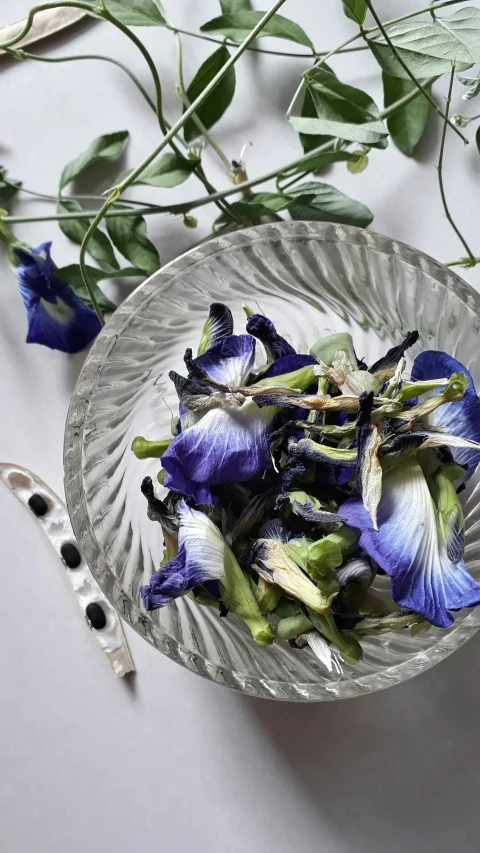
x=71, y=555
x=38, y=505
x=96, y=616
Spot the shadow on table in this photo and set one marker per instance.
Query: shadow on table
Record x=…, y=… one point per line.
x=391, y=771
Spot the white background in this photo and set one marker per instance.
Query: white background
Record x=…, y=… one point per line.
x=167, y=761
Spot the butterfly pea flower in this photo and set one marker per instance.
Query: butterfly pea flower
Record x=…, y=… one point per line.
x=57, y=318
x=263, y=329
x=224, y=435
x=458, y=418
x=419, y=553
x=204, y=556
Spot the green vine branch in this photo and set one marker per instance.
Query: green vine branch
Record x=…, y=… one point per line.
x=398, y=57
x=24, y=54
x=185, y=207
x=379, y=27
x=135, y=173
x=471, y=257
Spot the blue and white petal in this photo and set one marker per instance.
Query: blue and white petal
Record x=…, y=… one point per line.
x=409, y=547
x=201, y=556
x=57, y=318
x=229, y=362
x=461, y=417
x=224, y=445
x=218, y=325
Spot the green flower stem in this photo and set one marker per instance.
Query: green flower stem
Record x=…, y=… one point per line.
x=463, y=262
x=186, y=103
x=135, y=173
x=440, y=174
x=381, y=27
x=405, y=67
x=23, y=54
x=191, y=205
x=224, y=206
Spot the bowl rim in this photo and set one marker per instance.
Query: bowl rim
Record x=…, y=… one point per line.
x=73, y=445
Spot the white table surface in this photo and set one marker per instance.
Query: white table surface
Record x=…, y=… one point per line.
x=168, y=761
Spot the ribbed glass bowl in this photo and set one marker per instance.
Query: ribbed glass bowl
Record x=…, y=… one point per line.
x=311, y=279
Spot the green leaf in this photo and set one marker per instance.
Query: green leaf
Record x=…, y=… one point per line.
x=408, y=123
x=238, y=23
x=129, y=235
x=253, y=207
x=429, y=48
x=136, y=13
x=99, y=246
x=320, y=161
x=309, y=141
x=8, y=190
x=235, y=6
x=72, y=276
x=104, y=147
x=342, y=111
x=356, y=10
x=477, y=137
x=170, y=170
x=214, y=106
x=324, y=203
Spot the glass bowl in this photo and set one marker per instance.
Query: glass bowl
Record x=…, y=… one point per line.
x=311, y=279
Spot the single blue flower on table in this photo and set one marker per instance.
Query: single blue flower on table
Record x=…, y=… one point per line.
x=57, y=318
x=227, y=441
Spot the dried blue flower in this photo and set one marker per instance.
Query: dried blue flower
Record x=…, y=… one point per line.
x=203, y=556
x=263, y=329
x=412, y=548
x=459, y=418
x=224, y=435
x=57, y=318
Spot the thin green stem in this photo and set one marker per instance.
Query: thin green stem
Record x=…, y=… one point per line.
x=294, y=181
x=440, y=172
x=23, y=54
x=83, y=266
x=223, y=206
x=405, y=67
x=463, y=262
x=195, y=203
x=252, y=49
x=164, y=125
x=186, y=103
x=42, y=7
x=189, y=112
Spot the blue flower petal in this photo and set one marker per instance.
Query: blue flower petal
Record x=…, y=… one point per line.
x=409, y=547
x=224, y=445
x=57, y=318
x=462, y=417
x=229, y=362
x=263, y=329
x=288, y=364
x=200, y=558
